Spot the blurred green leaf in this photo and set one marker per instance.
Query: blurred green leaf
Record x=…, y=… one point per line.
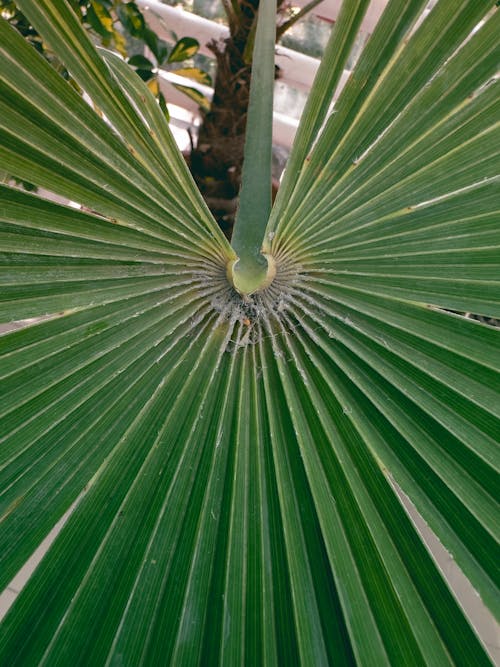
x=185, y=48
x=195, y=74
x=132, y=18
x=95, y=22
x=195, y=95
x=145, y=74
x=141, y=62
x=102, y=14
x=156, y=45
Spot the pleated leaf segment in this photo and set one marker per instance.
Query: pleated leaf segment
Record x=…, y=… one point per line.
x=234, y=454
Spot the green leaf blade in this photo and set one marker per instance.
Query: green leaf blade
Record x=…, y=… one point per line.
x=235, y=465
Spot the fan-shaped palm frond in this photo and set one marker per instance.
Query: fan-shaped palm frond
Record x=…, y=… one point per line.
x=234, y=458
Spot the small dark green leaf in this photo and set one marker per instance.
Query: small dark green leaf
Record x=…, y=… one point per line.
x=103, y=15
x=162, y=51
x=151, y=40
x=140, y=61
x=185, y=48
x=157, y=46
x=96, y=23
x=145, y=74
x=132, y=19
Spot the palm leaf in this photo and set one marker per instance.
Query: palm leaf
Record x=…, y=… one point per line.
x=233, y=461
